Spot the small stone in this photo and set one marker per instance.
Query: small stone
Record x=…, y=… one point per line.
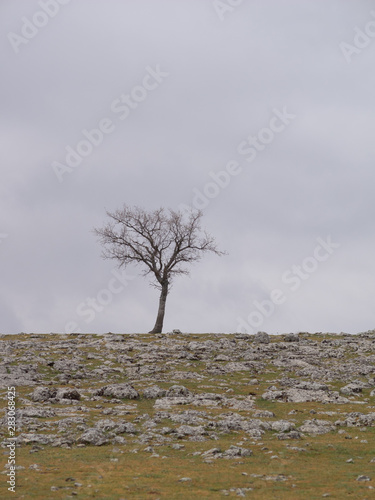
x=363, y=478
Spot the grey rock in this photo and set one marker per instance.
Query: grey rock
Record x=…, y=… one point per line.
x=66, y=393
x=35, y=438
x=237, y=451
x=212, y=452
x=67, y=423
x=262, y=338
x=177, y=390
x=263, y=414
x=154, y=392
x=289, y=435
x=188, y=430
x=37, y=413
x=282, y=426
x=93, y=437
x=222, y=357
x=317, y=427
x=125, y=428
x=303, y=396
x=42, y=394
x=177, y=446
x=120, y=391
x=190, y=417
x=291, y=337
x=168, y=403
x=351, y=389
x=63, y=441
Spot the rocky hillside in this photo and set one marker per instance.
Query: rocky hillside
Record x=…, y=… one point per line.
x=186, y=416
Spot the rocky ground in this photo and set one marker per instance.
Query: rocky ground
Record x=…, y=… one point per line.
x=185, y=393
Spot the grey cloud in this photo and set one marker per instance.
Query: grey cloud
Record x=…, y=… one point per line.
x=313, y=179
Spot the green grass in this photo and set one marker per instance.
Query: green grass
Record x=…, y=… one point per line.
x=321, y=469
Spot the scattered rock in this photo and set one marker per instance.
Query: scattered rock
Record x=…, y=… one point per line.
x=177, y=391
x=66, y=393
x=262, y=338
x=93, y=437
x=351, y=389
x=317, y=427
x=363, y=478
x=154, y=392
x=237, y=451
x=120, y=391
x=291, y=337
x=42, y=394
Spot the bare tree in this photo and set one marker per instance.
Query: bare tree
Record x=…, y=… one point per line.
x=162, y=241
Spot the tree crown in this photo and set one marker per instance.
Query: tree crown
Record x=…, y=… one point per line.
x=163, y=241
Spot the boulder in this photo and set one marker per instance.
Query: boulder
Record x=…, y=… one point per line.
x=66, y=393
x=154, y=392
x=177, y=390
x=120, y=391
x=262, y=338
x=42, y=394
x=93, y=437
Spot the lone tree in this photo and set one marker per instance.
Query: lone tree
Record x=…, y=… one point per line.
x=162, y=241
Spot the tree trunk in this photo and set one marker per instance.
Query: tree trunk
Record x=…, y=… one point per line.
x=160, y=317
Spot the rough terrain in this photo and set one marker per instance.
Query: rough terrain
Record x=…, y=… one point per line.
x=190, y=416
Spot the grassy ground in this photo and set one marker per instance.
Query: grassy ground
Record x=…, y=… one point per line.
x=109, y=472
x=310, y=468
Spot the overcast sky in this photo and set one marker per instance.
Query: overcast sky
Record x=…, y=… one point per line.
x=261, y=112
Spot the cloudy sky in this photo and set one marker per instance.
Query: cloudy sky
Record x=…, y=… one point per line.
x=260, y=112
